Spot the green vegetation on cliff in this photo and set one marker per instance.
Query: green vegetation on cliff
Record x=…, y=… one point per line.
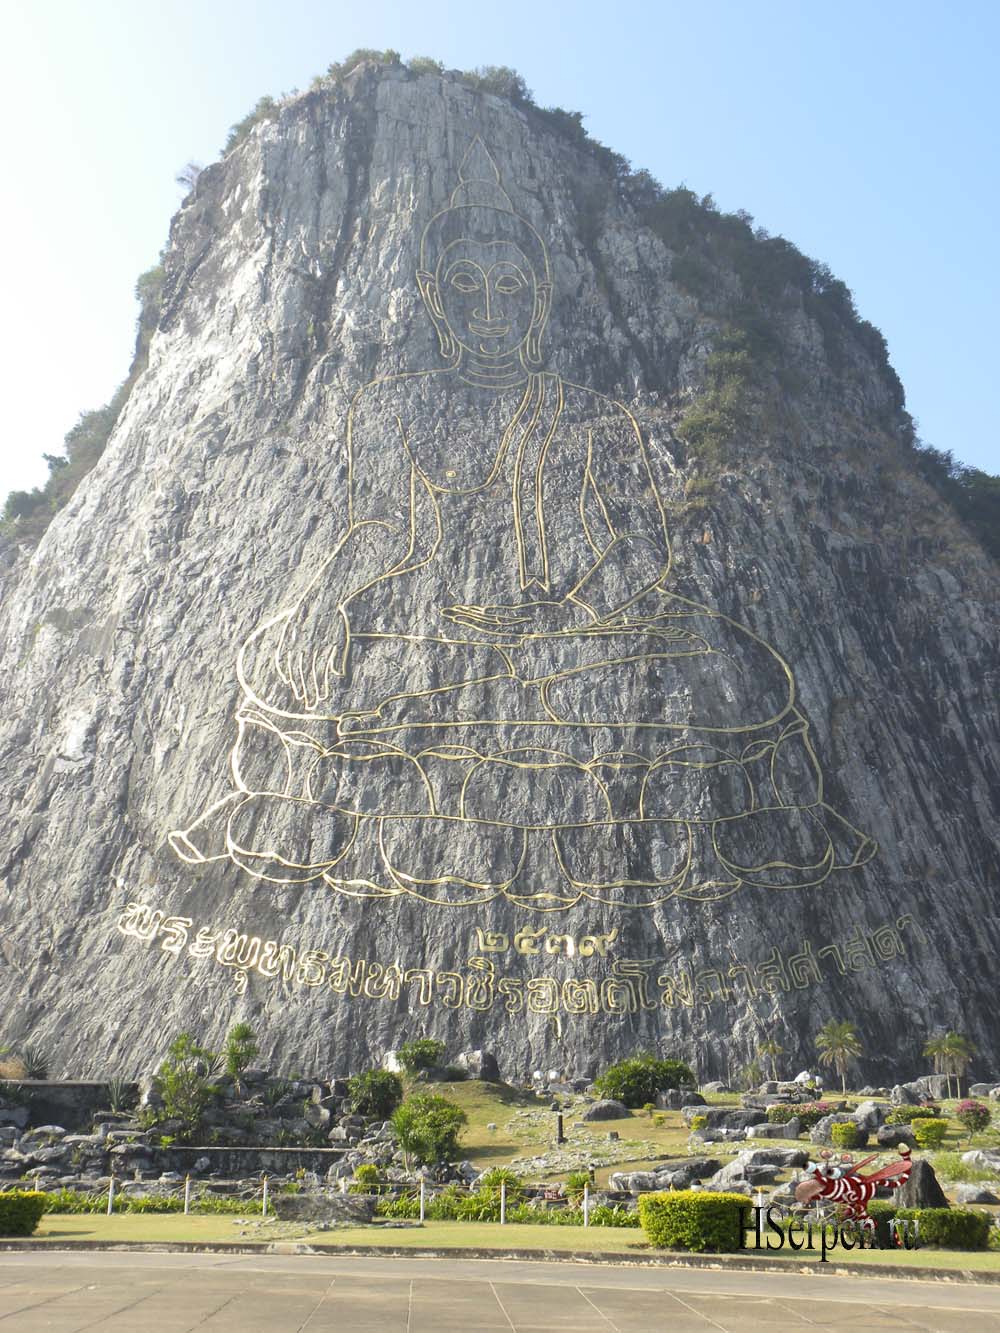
x=745, y=280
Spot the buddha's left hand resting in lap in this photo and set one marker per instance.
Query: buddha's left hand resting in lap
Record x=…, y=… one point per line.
x=487, y=688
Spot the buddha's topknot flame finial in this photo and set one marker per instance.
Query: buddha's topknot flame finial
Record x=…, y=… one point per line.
x=479, y=180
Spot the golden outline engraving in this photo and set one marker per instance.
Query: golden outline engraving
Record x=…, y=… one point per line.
x=627, y=986
x=490, y=759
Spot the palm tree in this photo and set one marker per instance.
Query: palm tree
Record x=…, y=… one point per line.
x=951, y=1055
x=959, y=1051
x=838, y=1044
x=771, y=1049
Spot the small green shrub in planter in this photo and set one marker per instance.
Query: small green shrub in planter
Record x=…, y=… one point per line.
x=848, y=1135
x=693, y=1220
x=950, y=1228
x=21, y=1211
x=929, y=1131
x=698, y=1122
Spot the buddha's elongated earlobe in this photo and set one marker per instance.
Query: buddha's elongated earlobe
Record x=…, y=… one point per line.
x=432, y=300
x=533, y=342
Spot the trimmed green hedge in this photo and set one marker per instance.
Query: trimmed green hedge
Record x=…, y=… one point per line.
x=20, y=1212
x=929, y=1131
x=905, y=1115
x=944, y=1228
x=847, y=1135
x=693, y=1220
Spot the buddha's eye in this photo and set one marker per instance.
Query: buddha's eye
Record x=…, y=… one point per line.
x=464, y=281
x=508, y=284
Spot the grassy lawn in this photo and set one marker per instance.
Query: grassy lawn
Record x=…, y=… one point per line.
x=60, y=1230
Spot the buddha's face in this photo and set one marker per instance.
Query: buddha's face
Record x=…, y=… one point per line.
x=487, y=296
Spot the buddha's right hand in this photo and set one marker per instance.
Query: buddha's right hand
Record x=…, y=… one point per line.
x=311, y=650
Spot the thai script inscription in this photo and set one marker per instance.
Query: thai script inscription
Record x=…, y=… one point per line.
x=630, y=986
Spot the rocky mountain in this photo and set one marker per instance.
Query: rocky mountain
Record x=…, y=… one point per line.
x=507, y=609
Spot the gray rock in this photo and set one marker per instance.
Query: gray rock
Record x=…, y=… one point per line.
x=986, y=1158
x=606, y=1109
x=894, y=1136
x=933, y=1086
x=791, y=1129
x=906, y=1094
x=922, y=1189
x=820, y=1132
x=324, y=1207
x=965, y=1194
x=715, y=1086
x=983, y=1089
x=480, y=1064
x=870, y=1115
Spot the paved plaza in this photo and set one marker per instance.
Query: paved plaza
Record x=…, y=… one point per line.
x=170, y=1293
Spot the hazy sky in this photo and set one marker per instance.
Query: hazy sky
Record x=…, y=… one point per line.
x=864, y=132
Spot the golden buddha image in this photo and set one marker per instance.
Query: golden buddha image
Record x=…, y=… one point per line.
x=487, y=688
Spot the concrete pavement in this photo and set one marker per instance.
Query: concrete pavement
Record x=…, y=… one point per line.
x=65, y=1292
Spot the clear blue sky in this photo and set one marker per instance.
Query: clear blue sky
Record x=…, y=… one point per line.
x=864, y=132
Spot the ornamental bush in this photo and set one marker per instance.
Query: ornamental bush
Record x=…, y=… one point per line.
x=637, y=1080
x=427, y=1128
x=929, y=1131
x=807, y=1113
x=365, y=1179
x=973, y=1116
x=375, y=1093
x=951, y=1228
x=905, y=1115
x=693, y=1220
x=422, y=1054
x=20, y=1212
x=848, y=1135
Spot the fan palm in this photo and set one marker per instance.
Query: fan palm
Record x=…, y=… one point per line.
x=771, y=1049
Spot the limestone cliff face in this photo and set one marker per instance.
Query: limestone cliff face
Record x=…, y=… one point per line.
x=272, y=748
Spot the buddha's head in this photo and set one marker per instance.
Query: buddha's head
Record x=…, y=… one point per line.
x=484, y=272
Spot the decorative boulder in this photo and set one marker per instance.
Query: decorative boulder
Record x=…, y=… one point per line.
x=922, y=1189
x=893, y=1136
x=975, y=1194
x=821, y=1131
x=983, y=1089
x=986, y=1158
x=606, y=1109
x=791, y=1129
x=324, y=1207
x=870, y=1115
x=480, y=1064
x=906, y=1094
x=716, y=1086
x=934, y=1086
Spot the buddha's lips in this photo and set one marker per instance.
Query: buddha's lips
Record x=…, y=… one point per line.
x=489, y=330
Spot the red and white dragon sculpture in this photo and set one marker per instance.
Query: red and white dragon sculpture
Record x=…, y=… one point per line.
x=836, y=1180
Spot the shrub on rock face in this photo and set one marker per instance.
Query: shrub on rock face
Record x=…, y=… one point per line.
x=422, y=1054
x=848, y=1135
x=973, y=1116
x=693, y=1220
x=375, y=1093
x=20, y=1212
x=637, y=1080
x=929, y=1131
